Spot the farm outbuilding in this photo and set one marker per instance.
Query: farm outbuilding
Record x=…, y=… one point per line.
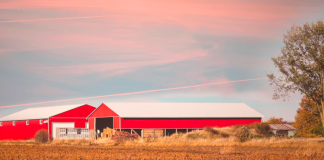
x=24, y=124
x=169, y=117
x=145, y=119
x=283, y=130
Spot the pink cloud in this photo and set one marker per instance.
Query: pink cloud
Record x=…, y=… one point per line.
x=49, y=19
x=113, y=68
x=265, y=96
x=133, y=53
x=47, y=90
x=128, y=38
x=220, y=17
x=223, y=89
x=218, y=90
x=126, y=22
x=249, y=62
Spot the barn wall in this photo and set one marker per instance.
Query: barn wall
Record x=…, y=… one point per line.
x=20, y=131
x=80, y=112
x=78, y=122
x=183, y=123
x=76, y=115
x=291, y=133
x=103, y=111
x=91, y=123
x=146, y=123
x=116, y=122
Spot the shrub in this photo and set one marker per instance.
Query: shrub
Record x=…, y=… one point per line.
x=210, y=130
x=224, y=135
x=243, y=134
x=262, y=129
x=123, y=136
x=41, y=136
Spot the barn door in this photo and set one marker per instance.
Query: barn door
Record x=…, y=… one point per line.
x=105, y=122
x=60, y=125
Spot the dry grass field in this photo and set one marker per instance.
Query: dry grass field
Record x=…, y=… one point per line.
x=194, y=145
x=222, y=149
x=21, y=151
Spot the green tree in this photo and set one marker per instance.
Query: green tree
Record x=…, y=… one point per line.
x=307, y=120
x=301, y=64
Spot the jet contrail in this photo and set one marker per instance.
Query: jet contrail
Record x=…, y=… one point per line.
x=49, y=19
x=130, y=93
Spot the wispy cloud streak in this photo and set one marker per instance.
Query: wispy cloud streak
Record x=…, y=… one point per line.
x=131, y=93
x=50, y=19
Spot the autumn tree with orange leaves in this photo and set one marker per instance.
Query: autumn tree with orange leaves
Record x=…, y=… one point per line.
x=307, y=120
x=274, y=120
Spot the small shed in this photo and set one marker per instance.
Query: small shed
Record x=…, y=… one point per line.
x=283, y=130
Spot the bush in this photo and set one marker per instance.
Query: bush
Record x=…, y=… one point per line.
x=41, y=136
x=262, y=129
x=224, y=135
x=210, y=130
x=243, y=134
x=123, y=136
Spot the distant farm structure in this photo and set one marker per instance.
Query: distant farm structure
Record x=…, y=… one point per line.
x=283, y=130
x=143, y=119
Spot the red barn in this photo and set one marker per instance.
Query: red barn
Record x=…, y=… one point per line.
x=24, y=124
x=171, y=117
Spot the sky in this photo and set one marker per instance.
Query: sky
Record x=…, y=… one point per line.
x=54, y=50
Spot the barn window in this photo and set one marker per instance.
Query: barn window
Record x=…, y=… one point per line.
x=78, y=131
x=40, y=122
x=13, y=123
x=0, y=123
x=27, y=122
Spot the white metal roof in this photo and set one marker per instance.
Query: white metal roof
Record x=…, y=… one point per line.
x=39, y=113
x=284, y=127
x=183, y=110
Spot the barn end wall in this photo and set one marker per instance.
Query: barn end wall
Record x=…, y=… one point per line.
x=147, y=123
x=103, y=111
x=77, y=115
x=21, y=131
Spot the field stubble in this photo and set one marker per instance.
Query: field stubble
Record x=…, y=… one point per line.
x=158, y=149
x=156, y=152
x=194, y=145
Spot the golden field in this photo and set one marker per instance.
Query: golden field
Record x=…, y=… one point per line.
x=156, y=152
x=272, y=148
x=194, y=145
